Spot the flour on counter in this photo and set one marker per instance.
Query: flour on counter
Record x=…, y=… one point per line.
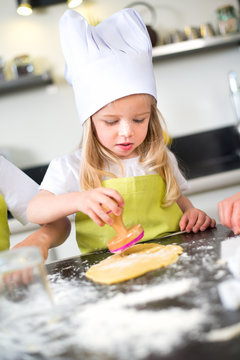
x=109, y=326
x=154, y=293
x=135, y=334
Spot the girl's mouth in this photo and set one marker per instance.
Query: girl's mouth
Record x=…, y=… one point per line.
x=125, y=146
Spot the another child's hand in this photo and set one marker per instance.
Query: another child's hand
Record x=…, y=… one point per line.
x=43, y=247
x=93, y=202
x=229, y=212
x=195, y=220
x=48, y=236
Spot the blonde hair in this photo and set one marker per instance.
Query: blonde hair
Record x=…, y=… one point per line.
x=152, y=155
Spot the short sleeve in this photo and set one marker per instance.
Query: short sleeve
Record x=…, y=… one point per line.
x=182, y=182
x=62, y=175
x=17, y=188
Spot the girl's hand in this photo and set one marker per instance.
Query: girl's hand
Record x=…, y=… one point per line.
x=195, y=220
x=229, y=213
x=92, y=203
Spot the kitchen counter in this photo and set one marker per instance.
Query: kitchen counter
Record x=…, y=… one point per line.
x=212, y=182
x=198, y=265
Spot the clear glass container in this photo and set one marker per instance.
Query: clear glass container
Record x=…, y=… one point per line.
x=23, y=280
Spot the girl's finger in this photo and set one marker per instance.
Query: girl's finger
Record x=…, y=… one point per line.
x=103, y=214
x=115, y=196
x=192, y=220
x=205, y=224
x=183, y=222
x=95, y=218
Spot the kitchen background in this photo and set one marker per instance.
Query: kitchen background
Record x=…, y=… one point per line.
x=40, y=123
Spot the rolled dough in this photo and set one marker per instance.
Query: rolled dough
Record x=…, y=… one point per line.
x=133, y=262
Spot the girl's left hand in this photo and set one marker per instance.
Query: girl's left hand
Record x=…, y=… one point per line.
x=195, y=220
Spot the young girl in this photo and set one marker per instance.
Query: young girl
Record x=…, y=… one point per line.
x=16, y=190
x=123, y=161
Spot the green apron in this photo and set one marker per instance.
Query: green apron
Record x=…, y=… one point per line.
x=4, y=229
x=143, y=197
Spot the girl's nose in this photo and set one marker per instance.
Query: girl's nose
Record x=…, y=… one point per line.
x=125, y=128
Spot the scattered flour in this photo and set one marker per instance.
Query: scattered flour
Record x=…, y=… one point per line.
x=108, y=326
x=154, y=293
x=134, y=334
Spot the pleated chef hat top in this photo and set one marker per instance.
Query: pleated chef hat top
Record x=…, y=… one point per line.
x=106, y=62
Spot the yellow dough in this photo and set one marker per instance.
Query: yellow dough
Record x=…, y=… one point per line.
x=133, y=262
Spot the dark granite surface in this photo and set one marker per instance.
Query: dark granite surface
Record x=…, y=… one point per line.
x=202, y=250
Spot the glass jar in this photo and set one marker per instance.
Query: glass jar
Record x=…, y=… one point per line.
x=23, y=280
x=228, y=21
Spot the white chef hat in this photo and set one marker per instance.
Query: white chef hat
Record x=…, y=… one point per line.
x=106, y=62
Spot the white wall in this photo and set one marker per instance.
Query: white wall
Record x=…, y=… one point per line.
x=39, y=124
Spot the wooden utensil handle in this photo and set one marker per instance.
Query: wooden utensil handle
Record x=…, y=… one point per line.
x=118, y=224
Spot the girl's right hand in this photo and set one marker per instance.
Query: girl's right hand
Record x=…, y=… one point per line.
x=92, y=203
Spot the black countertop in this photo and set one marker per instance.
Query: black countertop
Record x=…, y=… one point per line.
x=199, y=262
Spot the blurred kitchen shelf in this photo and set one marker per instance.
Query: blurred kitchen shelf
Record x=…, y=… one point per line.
x=25, y=82
x=190, y=46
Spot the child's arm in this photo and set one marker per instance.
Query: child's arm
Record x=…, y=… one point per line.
x=193, y=219
x=229, y=212
x=48, y=236
x=46, y=207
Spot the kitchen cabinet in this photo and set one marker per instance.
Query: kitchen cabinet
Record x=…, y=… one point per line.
x=197, y=45
x=25, y=82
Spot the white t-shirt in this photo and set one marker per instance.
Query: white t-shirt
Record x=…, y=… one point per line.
x=17, y=189
x=62, y=175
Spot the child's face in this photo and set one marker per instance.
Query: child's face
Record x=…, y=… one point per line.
x=122, y=125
